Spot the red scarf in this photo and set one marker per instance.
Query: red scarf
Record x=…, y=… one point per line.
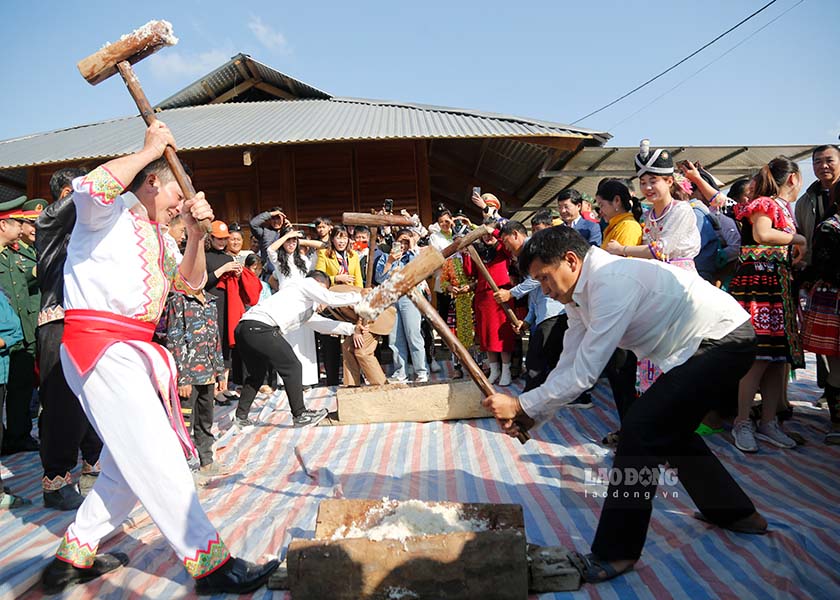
x=239, y=292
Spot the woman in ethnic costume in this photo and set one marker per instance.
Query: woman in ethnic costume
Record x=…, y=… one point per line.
x=763, y=286
x=821, y=321
x=669, y=231
x=493, y=330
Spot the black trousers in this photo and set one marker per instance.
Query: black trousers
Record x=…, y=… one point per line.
x=2, y=404
x=621, y=373
x=63, y=427
x=201, y=402
x=263, y=347
x=544, y=349
x=19, y=397
x=330, y=347
x=658, y=428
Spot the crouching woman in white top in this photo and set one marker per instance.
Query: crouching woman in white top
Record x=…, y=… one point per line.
x=699, y=336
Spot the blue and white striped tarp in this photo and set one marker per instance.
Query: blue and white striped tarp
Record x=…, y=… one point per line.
x=268, y=500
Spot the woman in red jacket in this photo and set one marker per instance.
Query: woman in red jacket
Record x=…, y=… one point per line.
x=493, y=331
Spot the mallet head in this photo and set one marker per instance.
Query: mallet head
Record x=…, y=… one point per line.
x=132, y=47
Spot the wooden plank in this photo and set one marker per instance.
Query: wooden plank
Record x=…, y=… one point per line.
x=336, y=513
x=398, y=403
x=485, y=565
x=274, y=90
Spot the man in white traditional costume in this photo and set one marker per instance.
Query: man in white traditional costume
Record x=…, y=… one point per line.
x=116, y=279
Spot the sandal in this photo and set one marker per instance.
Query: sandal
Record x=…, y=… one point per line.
x=611, y=439
x=594, y=570
x=9, y=501
x=705, y=430
x=745, y=525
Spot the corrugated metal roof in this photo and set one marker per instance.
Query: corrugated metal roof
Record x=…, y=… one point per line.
x=279, y=122
x=229, y=75
x=590, y=165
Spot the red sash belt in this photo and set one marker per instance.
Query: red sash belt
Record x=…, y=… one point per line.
x=89, y=333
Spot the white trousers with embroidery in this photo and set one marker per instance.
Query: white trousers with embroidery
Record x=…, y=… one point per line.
x=141, y=460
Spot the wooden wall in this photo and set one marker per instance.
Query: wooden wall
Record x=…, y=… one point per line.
x=307, y=181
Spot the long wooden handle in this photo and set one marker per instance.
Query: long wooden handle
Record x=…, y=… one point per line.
x=486, y=274
x=451, y=340
x=351, y=218
x=136, y=91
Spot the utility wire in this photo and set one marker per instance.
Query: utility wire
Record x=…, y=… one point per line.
x=704, y=67
x=674, y=66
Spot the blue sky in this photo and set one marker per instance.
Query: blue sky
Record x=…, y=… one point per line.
x=554, y=60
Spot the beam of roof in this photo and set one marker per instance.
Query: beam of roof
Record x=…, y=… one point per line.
x=239, y=68
x=587, y=167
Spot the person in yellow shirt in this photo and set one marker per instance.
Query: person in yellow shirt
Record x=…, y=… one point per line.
x=340, y=261
x=343, y=265
x=622, y=212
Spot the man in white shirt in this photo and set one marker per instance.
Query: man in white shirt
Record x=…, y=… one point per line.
x=701, y=339
x=260, y=337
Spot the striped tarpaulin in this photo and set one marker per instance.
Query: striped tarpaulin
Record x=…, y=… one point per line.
x=268, y=500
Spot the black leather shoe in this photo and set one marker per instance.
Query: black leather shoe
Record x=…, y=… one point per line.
x=64, y=498
x=60, y=575
x=236, y=576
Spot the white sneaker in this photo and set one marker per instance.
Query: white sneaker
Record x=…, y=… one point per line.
x=771, y=432
x=422, y=378
x=505, y=377
x=494, y=373
x=397, y=378
x=743, y=433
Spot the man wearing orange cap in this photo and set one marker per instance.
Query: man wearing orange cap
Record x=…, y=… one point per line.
x=17, y=278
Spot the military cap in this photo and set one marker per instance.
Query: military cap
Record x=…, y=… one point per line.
x=32, y=208
x=12, y=209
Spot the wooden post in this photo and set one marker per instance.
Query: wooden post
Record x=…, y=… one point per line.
x=451, y=340
x=374, y=234
x=486, y=274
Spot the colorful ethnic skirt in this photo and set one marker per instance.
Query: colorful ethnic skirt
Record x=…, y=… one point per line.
x=821, y=319
x=763, y=286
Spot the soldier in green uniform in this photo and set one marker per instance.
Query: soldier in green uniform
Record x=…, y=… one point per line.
x=17, y=278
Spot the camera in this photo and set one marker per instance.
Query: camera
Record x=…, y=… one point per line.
x=388, y=205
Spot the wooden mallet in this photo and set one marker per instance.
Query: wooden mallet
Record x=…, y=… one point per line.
x=400, y=283
x=118, y=57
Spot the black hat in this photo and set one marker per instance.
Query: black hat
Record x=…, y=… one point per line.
x=658, y=162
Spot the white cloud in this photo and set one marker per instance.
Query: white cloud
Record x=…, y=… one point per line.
x=173, y=65
x=267, y=36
